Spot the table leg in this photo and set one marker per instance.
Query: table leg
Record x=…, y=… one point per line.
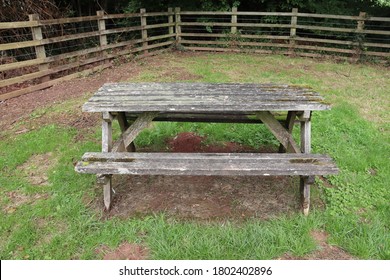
x=305, y=181
x=105, y=179
x=105, y=182
x=124, y=125
x=306, y=132
x=304, y=190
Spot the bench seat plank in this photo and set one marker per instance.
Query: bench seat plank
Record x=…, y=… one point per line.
x=206, y=164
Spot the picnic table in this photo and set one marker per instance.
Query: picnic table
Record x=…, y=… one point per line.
x=136, y=105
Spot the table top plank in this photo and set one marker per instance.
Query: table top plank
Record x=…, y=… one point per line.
x=202, y=97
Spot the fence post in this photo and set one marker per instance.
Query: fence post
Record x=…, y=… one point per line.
x=360, y=35
x=293, y=29
x=234, y=20
x=40, y=51
x=144, y=31
x=102, y=27
x=178, y=26
x=170, y=20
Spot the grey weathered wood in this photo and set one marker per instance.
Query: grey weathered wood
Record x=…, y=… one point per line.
x=206, y=164
x=144, y=31
x=293, y=29
x=102, y=28
x=131, y=133
x=201, y=107
x=229, y=24
x=234, y=20
x=227, y=35
x=234, y=117
x=170, y=20
x=105, y=178
x=201, y=97
x=284, y=137
x=95, y=156
x=107, y=132
x=39, y=49
x=178, y=24
x=105, y=182
x=306, y=132
x=289, y=125
x=236, y=43
x=239, y=13
x=124, y=125
x=304, y=189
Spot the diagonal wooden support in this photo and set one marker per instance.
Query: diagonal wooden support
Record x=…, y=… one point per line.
x=124, y=125
x=281, y=133
x=290, y=120
x=131, y=133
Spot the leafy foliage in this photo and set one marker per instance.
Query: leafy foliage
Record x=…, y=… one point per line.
x=349, y=7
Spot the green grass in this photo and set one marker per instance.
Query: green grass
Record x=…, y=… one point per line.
x=355, y=133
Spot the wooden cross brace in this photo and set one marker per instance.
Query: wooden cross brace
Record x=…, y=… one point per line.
x=281, y=133
x=129, y=133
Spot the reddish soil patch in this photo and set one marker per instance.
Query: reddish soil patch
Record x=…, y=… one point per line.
x=186, y=142
x=324, y=251
x=15, y=109
x=125, y=251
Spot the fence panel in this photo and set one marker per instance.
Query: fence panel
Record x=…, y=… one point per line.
x=36, y=54
x=50, y=51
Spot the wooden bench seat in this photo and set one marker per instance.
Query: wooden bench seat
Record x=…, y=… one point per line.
x=206, y=164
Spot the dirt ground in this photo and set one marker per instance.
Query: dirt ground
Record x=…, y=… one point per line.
x=201, y=198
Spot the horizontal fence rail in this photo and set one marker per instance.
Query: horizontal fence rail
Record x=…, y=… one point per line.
x=293, y=33
x=39, y=53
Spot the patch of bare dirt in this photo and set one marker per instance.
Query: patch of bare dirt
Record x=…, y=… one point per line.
x=180, y=74
x=324, y=251
x=16, y=109
x=186, y=142
x=36, y=167
x=125, y=251
x=47, y=233
x=203, y=197
x=18, y=199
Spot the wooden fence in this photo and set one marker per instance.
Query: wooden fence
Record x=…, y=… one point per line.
x=288, y=33
x=80, y=45
x=60, y=49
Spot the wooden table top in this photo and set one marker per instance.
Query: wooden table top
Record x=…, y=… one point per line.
x=203, y=97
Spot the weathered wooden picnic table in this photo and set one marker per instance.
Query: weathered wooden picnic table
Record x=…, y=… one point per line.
x=278, y=107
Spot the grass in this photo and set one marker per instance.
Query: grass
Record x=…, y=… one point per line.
x=355, y=133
